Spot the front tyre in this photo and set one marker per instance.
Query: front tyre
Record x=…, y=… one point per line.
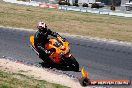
x=74, y=64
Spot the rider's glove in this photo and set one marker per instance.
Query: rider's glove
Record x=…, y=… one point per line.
x=63, y=39
x=47, y=52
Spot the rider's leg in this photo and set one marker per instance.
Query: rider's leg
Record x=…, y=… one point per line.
x=42, y=54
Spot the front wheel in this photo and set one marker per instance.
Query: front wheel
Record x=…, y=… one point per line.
x=73, y=64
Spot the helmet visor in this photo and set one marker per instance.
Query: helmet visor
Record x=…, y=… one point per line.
x=44, y=30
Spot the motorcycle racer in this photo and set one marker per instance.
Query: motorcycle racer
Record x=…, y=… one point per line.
x=41, y=38
x=53, y=49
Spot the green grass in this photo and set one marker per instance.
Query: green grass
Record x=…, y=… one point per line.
x=103, y=26
x=14, y=80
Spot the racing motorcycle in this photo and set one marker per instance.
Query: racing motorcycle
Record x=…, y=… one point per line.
x=61, y=55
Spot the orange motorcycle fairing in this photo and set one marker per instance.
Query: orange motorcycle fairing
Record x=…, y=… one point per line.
x=62, y=49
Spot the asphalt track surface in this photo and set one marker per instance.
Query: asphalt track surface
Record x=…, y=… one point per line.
x=102, y=60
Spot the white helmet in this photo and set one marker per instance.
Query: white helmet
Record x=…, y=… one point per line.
x=42, y=26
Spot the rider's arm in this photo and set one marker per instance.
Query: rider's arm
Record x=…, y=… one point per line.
x=54, y=34
x=38, y=44
x=40, y=47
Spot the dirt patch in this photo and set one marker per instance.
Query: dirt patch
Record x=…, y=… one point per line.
x=38, y=73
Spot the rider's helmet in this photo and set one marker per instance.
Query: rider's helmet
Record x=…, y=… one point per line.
x=42, y=27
